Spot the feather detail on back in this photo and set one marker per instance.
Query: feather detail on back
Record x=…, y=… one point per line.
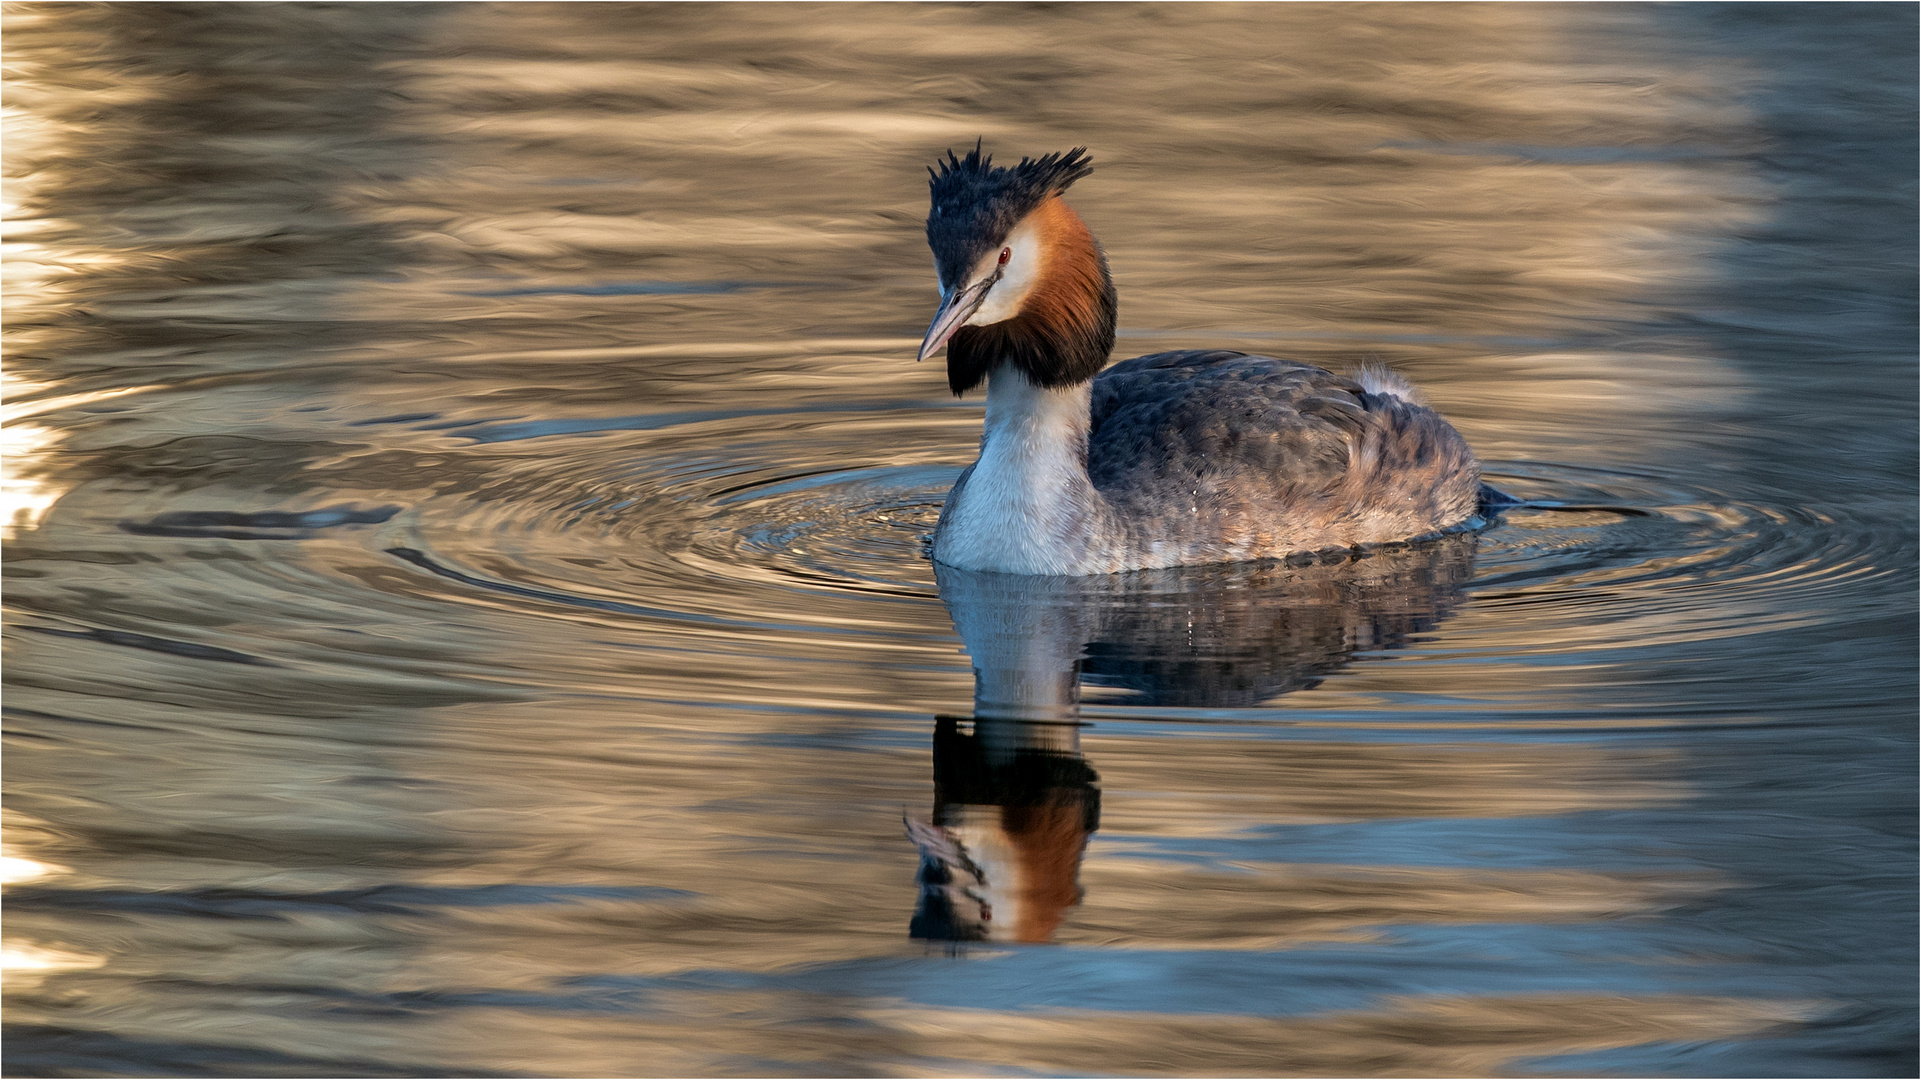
x=1217, y=456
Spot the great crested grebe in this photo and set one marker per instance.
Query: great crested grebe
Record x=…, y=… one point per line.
x=1173, y=459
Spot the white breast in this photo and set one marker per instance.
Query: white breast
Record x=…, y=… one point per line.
x=1028, y=507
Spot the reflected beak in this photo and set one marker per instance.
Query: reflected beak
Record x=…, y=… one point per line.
x=954, y=311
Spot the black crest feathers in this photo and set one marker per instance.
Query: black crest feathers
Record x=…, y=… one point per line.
x=976, y=204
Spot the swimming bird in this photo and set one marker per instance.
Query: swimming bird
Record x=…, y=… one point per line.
x=1172, y=459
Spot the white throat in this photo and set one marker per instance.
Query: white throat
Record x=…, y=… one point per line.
x=1028, y=506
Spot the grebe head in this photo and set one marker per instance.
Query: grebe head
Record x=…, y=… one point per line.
x=1022, y=280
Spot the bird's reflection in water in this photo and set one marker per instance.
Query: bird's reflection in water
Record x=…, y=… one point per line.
x=1014, y=801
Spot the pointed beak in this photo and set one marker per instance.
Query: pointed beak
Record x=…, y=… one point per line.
x=954, y=311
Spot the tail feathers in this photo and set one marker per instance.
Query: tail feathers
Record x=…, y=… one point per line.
x=1377, y=378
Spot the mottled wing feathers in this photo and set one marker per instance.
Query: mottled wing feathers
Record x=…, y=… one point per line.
x=1276, y=454
x=1221, y=417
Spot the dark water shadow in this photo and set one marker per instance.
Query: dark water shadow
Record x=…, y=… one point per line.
x=47, y=1050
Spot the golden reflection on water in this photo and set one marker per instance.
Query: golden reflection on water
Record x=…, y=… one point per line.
x=1372, y=183
x=337, y=271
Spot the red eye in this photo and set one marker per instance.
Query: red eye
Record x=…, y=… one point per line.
x=1006, y=253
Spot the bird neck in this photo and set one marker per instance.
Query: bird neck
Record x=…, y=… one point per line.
x=1028, y=506
x=1035, y=416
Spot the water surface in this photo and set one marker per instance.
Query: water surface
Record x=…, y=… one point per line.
x=466, y=601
